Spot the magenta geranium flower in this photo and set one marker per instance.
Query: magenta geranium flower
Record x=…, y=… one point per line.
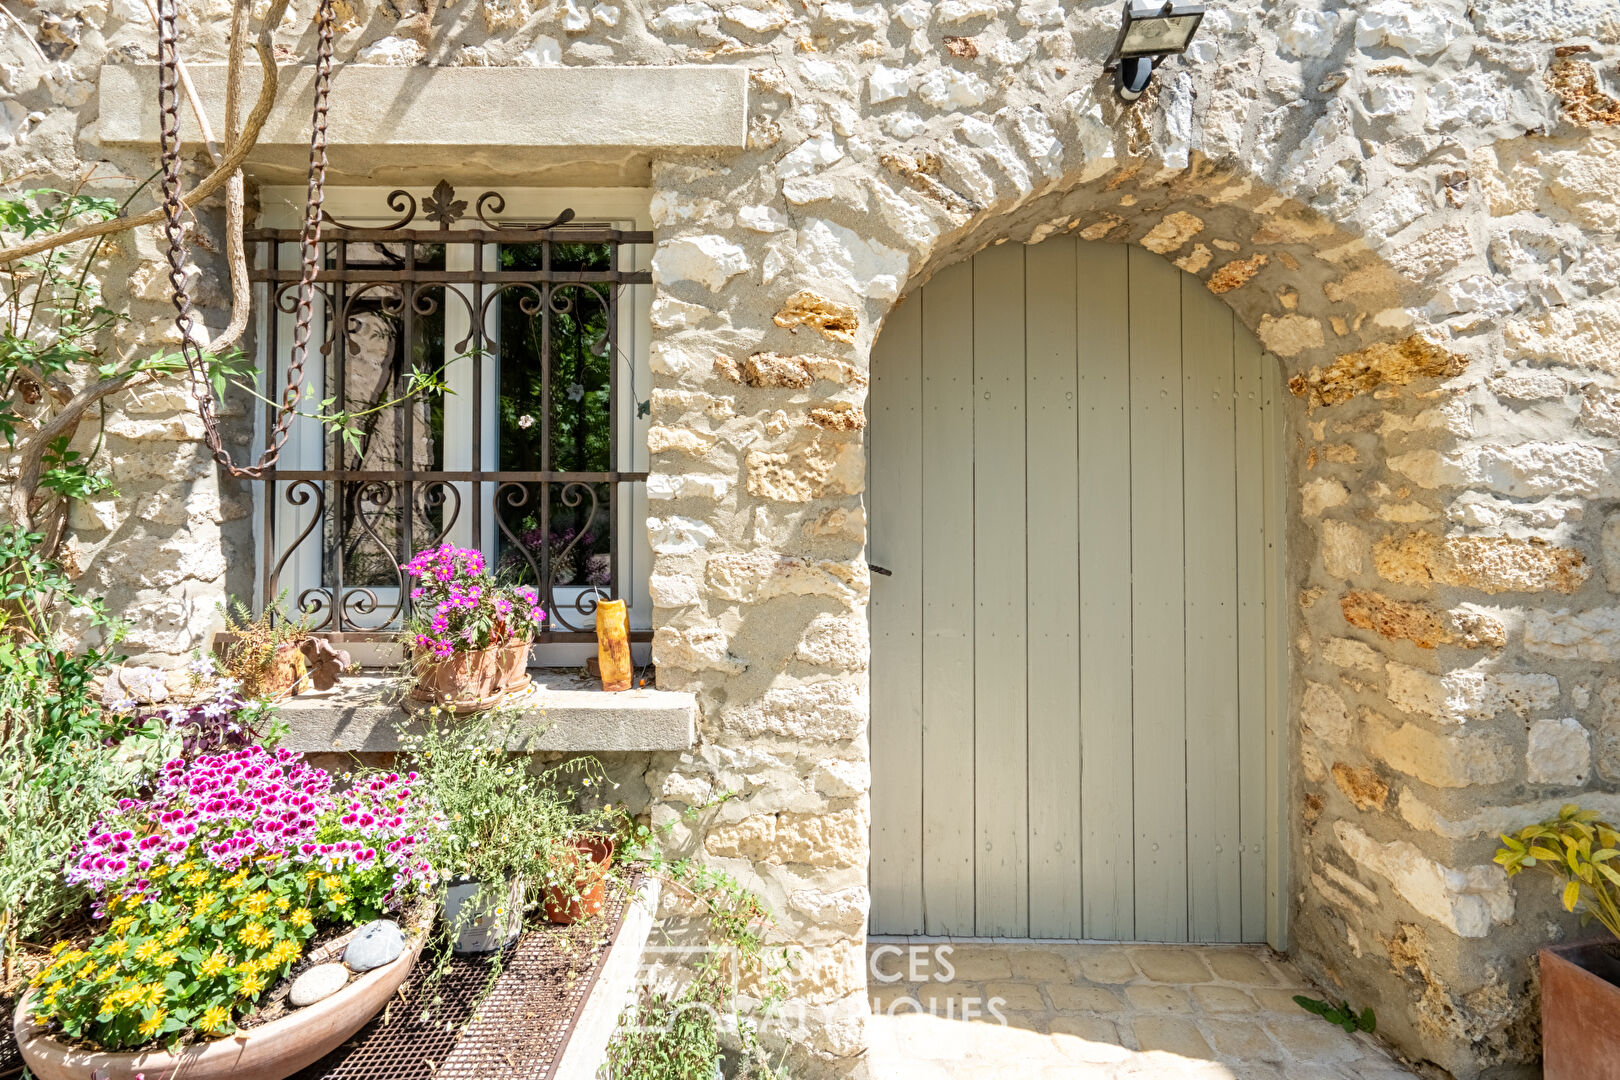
x=250, y=806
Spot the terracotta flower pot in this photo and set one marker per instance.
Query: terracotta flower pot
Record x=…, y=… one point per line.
x=513, y=662
x=282, y=676
x=1580, y=1011
x=271, y=1052
x=475, y=679
x=589, y=857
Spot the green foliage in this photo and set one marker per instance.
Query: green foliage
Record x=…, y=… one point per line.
x=63, y=760
x=1342, y=1014
x=667, y=1035
x=197, y=957
x=249, y=659
x=54, y=318
x=496, y=822
x=54, y=341
x=1579, y=849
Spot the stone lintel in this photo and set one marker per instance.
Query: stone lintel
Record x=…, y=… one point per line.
x=402, y=124
x=561, y=712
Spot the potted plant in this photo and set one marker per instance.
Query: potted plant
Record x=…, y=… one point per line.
x=205, y=896
x=468, y=637
x=576, y=878
x=273, y=657
x=1580, y=983
x=496, y=825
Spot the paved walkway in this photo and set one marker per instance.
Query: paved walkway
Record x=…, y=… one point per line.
x=1099, y=1012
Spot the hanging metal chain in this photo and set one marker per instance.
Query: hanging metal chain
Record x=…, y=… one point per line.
x=309, y=242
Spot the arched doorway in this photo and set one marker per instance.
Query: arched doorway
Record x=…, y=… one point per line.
x=1075, y=661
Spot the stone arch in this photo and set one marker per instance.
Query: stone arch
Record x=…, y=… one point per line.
x=1344, y=323
x=1341, y=318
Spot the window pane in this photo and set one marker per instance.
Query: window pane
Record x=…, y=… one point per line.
x=576, y=363
x=390, y=329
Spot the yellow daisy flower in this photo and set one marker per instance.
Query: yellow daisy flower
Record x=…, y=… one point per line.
x=285, y=952
x=339, y=897
x=254, y=935
x=237, y=880
x=214, y=1018
x=149, y=995
x=332, y=881
x=197, y=879
x=257, y=904
x=214, y=965
x=116, y=949
x=301, y=917
x=60, y=947
x=282, y=903
x=120, y=926
x=148, y=949
x=166, y=960
x=174, y=936
x=252, y=985
x=153, y=1024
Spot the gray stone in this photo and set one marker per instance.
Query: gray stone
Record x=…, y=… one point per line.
x=373, y=945
x=321, y=981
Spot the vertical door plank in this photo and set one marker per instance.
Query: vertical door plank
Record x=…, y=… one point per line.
x=1107, y=805
x=894, y=501
x=1209, y=484
x=947, y=598
x=1274, y=440
x=1001, y=737
x=1051, y=382
x=1251, y=629
x=1158, y=642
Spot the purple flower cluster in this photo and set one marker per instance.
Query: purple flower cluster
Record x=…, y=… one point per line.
x=248, y=804
x=382, y=812
x=457, y=605
x=252, y=805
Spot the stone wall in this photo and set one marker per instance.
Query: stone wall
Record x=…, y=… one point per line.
x=1413, y=204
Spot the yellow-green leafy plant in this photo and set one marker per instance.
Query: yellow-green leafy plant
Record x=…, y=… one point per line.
x=1579, y=849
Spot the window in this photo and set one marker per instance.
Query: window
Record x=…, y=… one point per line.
x=536, y=455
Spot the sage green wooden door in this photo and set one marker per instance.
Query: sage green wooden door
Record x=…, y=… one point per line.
x=1070, y=661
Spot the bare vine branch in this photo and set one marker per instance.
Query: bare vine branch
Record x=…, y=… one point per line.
x=209, y=184
x=235, y=189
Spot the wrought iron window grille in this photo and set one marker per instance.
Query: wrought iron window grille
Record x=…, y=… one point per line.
x=524, y=318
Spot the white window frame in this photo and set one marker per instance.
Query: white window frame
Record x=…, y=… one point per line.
x=365, y=206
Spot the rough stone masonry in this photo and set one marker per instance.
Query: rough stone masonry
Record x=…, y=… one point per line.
x=1413, y=203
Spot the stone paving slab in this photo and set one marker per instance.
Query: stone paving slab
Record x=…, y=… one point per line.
x=946, y=1010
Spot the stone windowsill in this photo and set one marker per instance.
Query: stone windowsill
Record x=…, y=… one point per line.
x=562, y=711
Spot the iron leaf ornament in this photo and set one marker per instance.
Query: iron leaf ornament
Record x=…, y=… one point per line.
x=443, y=206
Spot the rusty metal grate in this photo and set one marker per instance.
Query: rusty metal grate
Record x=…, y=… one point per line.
x=520, y=1029
x=532, y=457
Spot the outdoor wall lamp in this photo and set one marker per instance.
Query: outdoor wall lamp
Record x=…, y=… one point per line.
x=1153, y=29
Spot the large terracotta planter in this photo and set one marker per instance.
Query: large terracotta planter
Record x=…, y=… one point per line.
x=271, y=1052
x=475, y=679
x=1580, y=1011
